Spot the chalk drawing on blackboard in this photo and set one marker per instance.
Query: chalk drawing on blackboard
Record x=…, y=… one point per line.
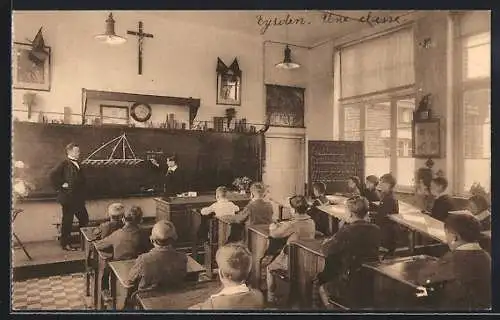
x=126, y=150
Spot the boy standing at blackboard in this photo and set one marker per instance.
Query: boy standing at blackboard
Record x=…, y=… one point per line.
x=173, y=177
x=69, y=181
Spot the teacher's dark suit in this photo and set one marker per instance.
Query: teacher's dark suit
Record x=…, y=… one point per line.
x=72, y=199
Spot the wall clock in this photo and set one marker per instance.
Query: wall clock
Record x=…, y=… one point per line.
x=141, y=112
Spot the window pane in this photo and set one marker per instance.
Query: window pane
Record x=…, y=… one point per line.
x=477, y=137
x=352, y=123
x=406, y=163
x=377, y=137
x=378, y=64
x=477, y=56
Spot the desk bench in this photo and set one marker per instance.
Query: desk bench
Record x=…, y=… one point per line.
x=180, y=299
x=120, y=289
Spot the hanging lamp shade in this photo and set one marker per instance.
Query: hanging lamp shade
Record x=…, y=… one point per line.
x=109, y=36
x=287, y=61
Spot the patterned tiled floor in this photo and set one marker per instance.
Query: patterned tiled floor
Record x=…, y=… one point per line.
x=53, y=293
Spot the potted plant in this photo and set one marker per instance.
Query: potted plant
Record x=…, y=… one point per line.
x=20, y=187
x=242, y=184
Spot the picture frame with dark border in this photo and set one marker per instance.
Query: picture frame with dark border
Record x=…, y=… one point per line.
x=26, y=74
x=426, y=142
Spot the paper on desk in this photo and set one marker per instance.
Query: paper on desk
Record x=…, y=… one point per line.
x=414, y=218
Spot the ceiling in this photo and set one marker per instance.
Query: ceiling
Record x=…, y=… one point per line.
x=310, y=29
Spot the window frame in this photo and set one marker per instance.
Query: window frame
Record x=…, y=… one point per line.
x=463, y=85
x=392, y=96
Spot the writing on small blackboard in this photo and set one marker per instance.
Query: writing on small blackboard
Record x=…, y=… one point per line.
x=333, y=162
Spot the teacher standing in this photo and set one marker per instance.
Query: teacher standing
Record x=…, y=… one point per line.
x=68, y=179
x=172, y=177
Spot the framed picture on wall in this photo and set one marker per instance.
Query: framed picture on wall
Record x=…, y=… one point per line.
x=26, y=73
x=114, y=115
x=285, y=106
x=426, y=139
x=228, y=83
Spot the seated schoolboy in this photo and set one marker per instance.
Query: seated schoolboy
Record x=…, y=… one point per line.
x=129, y=241
x=354, y=187
x=443, y=203
x=222, y=206
x=388, y=205
x=370, y=192
x=258, y=210
x=467, y=264
x=300, y=226
x=479, y=207
x=116, y=212
x=354, y=244
x=234, y=261
x=161, y=267
x=321, y=220
x=423, y=194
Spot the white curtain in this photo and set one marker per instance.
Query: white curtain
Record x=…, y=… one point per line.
x=378, y=64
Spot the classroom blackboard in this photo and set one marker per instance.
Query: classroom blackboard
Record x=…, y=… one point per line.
x=208, y=159
x=333, y=162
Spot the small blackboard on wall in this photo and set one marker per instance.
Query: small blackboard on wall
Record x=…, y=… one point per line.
x=333, y=162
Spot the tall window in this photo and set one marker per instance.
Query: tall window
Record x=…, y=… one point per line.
x=377, y=78
x=475, y=51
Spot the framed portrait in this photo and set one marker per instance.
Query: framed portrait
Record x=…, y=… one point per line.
x=426, y=139
x=27, y=74
x=228, y=89
x=118, y=115
x=228, y=83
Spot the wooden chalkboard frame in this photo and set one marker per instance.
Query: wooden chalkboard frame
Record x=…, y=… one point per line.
x=336, y=186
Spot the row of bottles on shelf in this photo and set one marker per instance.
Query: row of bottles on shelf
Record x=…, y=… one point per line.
x=219, y=124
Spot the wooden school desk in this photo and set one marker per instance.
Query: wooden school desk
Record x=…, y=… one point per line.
x=421, y=223
x=179, y=211
x=102, y=262
x=92, y=262
x=218, y=231
x=305, y=261
x=180, y=299
x=257, y=243
x=86, y=239
x=396, y=282
x=120, y=271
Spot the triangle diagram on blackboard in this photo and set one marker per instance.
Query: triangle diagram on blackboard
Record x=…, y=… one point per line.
x=121, y=147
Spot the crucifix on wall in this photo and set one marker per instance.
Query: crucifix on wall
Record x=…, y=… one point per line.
x=141, y=35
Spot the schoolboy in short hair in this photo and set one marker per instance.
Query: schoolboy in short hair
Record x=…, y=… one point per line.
x=116, y=211
x=321, y=220
x=388, y=205
x=467, y=266
x=443, y=203
x=234, y=261
x=258, y=210
x=162, y=266
x=222, y=206
x=370, y=192
x=129, y=241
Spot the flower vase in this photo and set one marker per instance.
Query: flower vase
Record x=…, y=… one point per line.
x=243, y=192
